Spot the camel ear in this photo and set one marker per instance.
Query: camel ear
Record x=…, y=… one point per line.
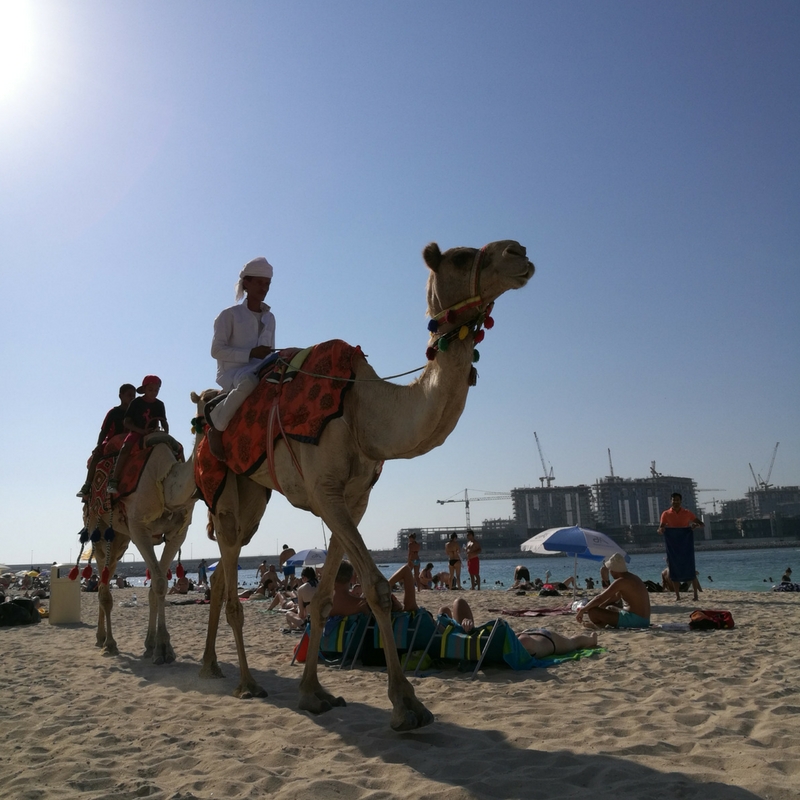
x=433, y=256
x=195, y=397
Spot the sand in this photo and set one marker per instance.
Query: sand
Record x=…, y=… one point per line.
x=659, y=715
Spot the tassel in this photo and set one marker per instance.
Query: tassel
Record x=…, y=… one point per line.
x=73, y=574
x=96, y=535
x=169, y=574
x=433, y=325
x=476, y=357
x=147, y=574
x=83, y=536
x=104, y=576
x=478, y=338
x=109, y=534
x=443, y=343
x=430, y=353
x=87, y=571
x=488, y=323
x=179, y=570
x=473, y=376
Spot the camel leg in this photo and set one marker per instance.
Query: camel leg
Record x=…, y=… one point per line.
x=313, y=697
x=408, y=712
x=156, y=643
x=162, y=652
x=211, y=668
x=108, y=556
x=230, y=547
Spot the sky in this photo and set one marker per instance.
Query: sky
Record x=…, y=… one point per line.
x=645, y=154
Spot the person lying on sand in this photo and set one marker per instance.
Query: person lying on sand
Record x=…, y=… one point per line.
x=539, y=642
x=626, y=587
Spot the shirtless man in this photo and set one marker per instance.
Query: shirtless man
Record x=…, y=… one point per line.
x=626, y=587
x=474, y=549
x=288, y=572
x=453, y=550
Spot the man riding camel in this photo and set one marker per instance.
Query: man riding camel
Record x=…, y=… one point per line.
x=244, y=335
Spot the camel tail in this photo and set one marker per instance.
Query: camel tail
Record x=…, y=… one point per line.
x=210, y=528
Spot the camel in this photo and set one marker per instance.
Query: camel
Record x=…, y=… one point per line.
x=160, y=510
x=333, y=479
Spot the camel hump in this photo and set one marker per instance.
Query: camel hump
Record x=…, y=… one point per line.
x=152, y=439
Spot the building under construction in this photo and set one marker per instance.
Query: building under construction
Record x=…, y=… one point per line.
x=553, y=506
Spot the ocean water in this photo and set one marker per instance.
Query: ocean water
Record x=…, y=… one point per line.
x=740, y=570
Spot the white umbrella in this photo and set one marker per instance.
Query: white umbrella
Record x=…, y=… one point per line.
x=574, y=541
x=313, y=557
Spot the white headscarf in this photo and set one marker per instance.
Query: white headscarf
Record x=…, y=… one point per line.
x=257, y=268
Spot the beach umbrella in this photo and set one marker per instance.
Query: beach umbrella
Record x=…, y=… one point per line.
x=213, y=566
x=574, y=541
x=4, y=568
x=313, y=557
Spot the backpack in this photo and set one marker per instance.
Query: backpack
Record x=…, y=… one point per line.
x=709, y=619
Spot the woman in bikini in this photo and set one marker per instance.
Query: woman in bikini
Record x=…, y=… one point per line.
x=539, y=642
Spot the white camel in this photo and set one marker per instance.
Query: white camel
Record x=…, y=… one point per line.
x=157, y=512
x=333, y=479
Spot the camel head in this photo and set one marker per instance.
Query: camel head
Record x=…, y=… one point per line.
x=202, y=399
x=464, y=279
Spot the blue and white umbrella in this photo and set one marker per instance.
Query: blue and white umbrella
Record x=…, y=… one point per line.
x=212, y=567
x=312, y=557
x=574, y=541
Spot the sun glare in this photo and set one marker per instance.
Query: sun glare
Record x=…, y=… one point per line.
x=16, y=45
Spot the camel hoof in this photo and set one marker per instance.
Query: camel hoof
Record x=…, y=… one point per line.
x=110, y=650
x=413, y=721
x=164, y=655
x=320, y=702
x=211, y=671
x=249, y=692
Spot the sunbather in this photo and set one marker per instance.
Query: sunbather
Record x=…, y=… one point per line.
x=539, y=642
x=346, y=601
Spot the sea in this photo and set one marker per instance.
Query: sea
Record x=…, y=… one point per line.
x=737, y=570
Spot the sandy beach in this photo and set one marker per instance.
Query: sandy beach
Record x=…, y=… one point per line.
x=659, y=715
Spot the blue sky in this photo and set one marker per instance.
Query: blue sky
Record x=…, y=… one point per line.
x=645, y=154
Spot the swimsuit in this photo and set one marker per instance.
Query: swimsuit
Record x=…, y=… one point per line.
x=454, y=561
x=287, y=571
x=544, y=633
x=627, y=619
x=474, y=565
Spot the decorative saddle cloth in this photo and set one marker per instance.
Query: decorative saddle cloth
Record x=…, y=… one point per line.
x=307, y=395
x=100, y=502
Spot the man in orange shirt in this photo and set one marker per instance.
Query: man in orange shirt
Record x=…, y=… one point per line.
x=677, y=526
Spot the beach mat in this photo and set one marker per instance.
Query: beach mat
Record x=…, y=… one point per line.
x=532, y=612
x=679, y=543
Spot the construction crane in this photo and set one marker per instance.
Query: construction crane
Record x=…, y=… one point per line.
x=610, y=465
x=466, y=500
x=760, y=482
x=653, y=472
x=713, y=499
x=546, y=476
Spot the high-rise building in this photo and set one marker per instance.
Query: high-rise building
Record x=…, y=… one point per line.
x=553, y=506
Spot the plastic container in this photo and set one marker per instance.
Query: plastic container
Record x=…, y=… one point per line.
x=65, y=596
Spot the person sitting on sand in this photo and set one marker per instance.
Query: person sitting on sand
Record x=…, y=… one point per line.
x=181, y=586
x=626, y=587
x=786, y=577
x=346, y=602
x=441, y=580
x=539, y=642
x=426, y=577
x=297, y=619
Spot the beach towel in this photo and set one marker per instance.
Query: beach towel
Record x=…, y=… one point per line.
x=679, y=543
x=532, y=612
x=505, y=647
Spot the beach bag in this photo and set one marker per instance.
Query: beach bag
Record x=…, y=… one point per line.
x=709, y=619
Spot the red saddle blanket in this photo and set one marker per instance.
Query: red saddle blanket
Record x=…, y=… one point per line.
x=307, y=400
x=99, y=500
